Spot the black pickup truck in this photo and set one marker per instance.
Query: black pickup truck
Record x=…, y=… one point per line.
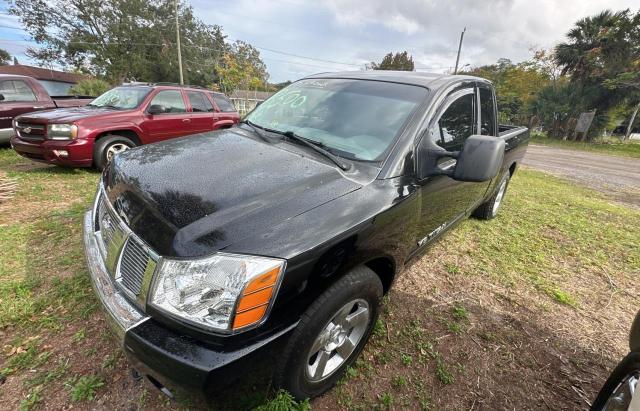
x=265, y=249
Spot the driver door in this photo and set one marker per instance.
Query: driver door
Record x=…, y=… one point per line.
x=445, y=201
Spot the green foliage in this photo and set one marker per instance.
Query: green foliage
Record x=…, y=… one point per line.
x=516, y=87
x=85, y=387
x=5, y=57
x=284, y=402
x=126, y=39
x=32, y=399
x=398, y=61
x=602, y=60
x=242, y=68
x=442, y=373
x=90, y=87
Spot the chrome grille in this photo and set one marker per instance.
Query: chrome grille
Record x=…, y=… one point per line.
x=30, y=131
x=133, y=264
x=126, y=257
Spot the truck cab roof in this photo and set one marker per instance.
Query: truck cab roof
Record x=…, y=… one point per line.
x=428, y=80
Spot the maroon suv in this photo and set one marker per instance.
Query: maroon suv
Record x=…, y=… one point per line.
x=123, y=117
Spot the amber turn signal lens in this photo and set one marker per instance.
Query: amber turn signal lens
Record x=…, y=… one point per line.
x=255, y=299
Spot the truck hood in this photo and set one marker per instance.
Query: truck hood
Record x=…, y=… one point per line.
x=67, y=115
x=193, y=196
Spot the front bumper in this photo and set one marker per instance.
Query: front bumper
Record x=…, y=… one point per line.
x=170, y=359
x=79, y=151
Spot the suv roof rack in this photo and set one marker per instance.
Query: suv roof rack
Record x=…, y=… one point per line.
x=163, y=83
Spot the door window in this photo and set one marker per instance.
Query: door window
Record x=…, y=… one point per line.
x=199, y=102
x=16, y=90
x=487, y=113
x=455, y=125
x=171, y=99
x=223, y=103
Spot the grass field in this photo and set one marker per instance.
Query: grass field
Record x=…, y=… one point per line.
x=611, y=146
x=530, y=310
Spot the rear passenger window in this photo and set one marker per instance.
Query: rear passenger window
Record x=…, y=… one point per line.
x=487, y=113
x=223, y=103
x=455, y=124
x=16, y=90
x=171, y=99
x=199, y=102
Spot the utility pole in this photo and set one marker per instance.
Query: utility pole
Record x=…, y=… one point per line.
x=455, y=71
x=178, y=41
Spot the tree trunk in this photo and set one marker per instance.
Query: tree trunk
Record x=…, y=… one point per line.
x=630, y=126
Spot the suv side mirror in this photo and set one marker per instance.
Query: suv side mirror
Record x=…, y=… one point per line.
x=479, y=160
x=156, y=109
x=1, y=97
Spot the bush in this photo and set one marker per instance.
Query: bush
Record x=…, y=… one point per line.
x=90, y=87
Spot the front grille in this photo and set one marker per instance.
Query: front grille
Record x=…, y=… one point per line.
x=31, y=131
x=126, y=256
x=133, y=264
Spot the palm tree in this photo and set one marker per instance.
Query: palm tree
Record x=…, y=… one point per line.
x=597, y=44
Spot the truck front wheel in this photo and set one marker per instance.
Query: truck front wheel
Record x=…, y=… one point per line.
x=107, y=147
x=330, y=335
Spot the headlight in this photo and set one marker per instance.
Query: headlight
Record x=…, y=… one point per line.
x=224, y=293
x=62, y=131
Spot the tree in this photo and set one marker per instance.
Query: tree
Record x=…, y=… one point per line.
x=398, y=61
x=89, y=87
x=602, y=59
x=242, y=68
x=5, y=57
x=122, y=39
x=516, y=87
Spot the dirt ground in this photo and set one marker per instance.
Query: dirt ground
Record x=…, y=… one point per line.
x=616, y=176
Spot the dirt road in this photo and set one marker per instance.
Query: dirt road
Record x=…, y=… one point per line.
x=618, y=177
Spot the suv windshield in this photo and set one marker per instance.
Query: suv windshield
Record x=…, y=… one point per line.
x=357, y=119
x=122, y=97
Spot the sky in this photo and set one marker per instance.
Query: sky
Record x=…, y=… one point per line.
x=298, y=37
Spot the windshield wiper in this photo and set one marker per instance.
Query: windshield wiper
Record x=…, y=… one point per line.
x=257, y=129
x=317, y=146
x=314, y=145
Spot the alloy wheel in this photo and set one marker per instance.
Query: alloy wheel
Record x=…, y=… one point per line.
x=337, y=340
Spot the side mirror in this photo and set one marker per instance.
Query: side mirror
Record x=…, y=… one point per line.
x=156, y=109
x=479, y=160
x=1, y=97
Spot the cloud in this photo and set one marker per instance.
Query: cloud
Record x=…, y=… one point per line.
x=356, y=32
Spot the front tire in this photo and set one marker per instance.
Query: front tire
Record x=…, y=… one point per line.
x=621, y=388
x=107, y=147
x=330, y=335
x=489, y=210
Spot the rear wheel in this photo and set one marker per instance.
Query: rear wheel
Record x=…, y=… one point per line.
x=330, y=335
x=107, y=147
x=489, y=210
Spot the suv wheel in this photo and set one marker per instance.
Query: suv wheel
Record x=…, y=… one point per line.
x=107, y=147
x=330, y=335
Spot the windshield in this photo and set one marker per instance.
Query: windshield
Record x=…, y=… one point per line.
x=122, y=97
x=358, y=119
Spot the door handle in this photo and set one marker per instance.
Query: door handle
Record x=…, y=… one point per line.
x=186, y=120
